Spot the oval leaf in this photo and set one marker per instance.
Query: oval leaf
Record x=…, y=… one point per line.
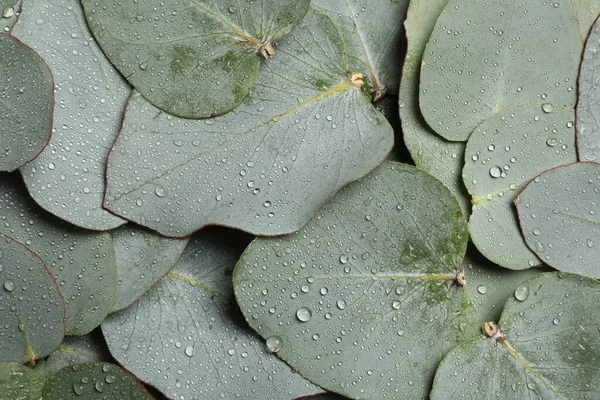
x=482, y=57
x=191, y=58
x=502, y=155
x=32, y=311
x=367, y=290
x=305, y=131
x=199, y=348
x=26, y=100
x=547, y=347
x=67, y=178
x=81, y=262
x=558, y=215
x=143, y=258
x=19, y=382
x=92, y=381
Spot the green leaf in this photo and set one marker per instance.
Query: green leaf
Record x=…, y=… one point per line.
x=67, y=178
x=434, y=155
x=185, y=338
x=489, y=286
x=588, y=103
x=32, y=311
x=75, y=350
x=557, y=211
x=81, y=262
x=143, y=258
x=502, y=155
x=547, y=347
x=92, y=381
x=9, y=12
x=19, y=382
x=26, y=99
x=191, y=58
x=367, y=291
x=483, y=57
x=374, y=35
x=266, y=167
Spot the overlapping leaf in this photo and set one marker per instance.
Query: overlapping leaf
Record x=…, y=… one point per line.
x=559, y=214
x=81, y=262
x=483, y=57
x=75, y=350
x=19, y=382
x=26, y=102
x=364, y=300
x=502, y=155
x=184, y=337
x=266, y=167
x=191, y=58
x=142, y=259
x=67, y=178
x=547, y=346
x=31, y=308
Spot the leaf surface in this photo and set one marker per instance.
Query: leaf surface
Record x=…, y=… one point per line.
x=19, y=382
x=185, y=338
x=32, y=311
x=143, y=258
x=483, y=57
x=76, y=350
x=191, y=58
x=366, y=292
x=67, y=178
x=9, y=12
x=81, y=262
x=558, y=215
x=266, y=167
x=548, y=346
x=26, y=100
x=502, y=155
x=431, y=153
x=92, y=381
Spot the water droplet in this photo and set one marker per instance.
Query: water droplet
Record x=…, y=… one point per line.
x=323, y=291
x=552, y=142
x=189, y=351
x=590, y=243
x=556, y=321
x=160, y=192
x=110, y=378
x=537, y=232
x=341, y=304
x=274, y=344
x=304, y=314
x=78, y=389
x=547, y=108
x=522, y=293
x=343, y=259
x=481, y=289
x=495, y=172
x=99, y=386
x=9, y=285
x=396, y=305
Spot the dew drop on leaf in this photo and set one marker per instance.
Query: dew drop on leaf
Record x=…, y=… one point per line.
x=522, y=293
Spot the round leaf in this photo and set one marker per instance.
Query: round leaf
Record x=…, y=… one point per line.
x=67, y=178
x=26, y=100
x=366, y=292
x=31, y=308
x=92, y=381
x=305, y=131
x=374, y=34
x=81, y=262
x=143, y=258
x=502, y=155
x=434, y=155
x=191, y=58
x=559, y=220
x=547, y=347
x=19, y=382
x=483, y=57
x=184, y=336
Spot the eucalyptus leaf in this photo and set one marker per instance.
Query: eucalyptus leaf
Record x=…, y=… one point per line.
x=368, y=291
x=558, y=215
x=184, y=336
x=547, y=347
x=143, y=258
x=483, y=57
x=9, y=12
x=77, y=349
x=266, y=167
x=67, y=178
x=26, y=100
x=81, y=262
x=191, y=58
x=92, y=381
x=374, y=35
x=430, y=152
x=588, y=103
x=20, y=382
x=32, y=312
x=502, y=155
